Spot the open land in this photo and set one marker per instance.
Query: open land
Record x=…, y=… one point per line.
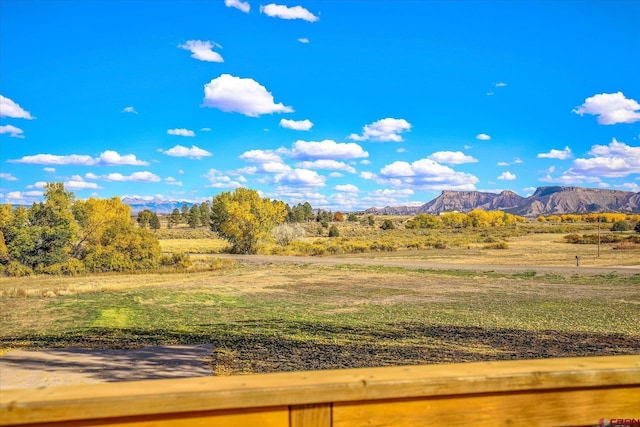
x=281, y=313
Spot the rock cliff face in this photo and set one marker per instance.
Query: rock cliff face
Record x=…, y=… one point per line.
x=562, y=200
x=545, y=201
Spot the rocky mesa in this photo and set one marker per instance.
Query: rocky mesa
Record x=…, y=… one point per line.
x=552, y=200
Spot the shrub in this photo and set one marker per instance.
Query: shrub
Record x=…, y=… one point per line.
x=387, y=224
x=15, y=269
x=333, y=231
x=621, y=226
x=72, y=267
x=497, y=245
x=177, y=260
x=285, y=233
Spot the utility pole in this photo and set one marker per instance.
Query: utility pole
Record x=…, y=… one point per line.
x=598, y=237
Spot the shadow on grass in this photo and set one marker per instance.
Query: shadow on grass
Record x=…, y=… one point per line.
x=252, y=346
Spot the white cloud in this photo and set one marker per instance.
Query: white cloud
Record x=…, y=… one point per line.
x=390, y=197
x=303, y=40
x=499, y=84
x=144, y=176
x=245, y=96
x=300, y=177
x=7, y=177
x=515, y=161
x=23, y=197
x=326, y=164
x=483, y=137
x=112, y=158
x=51, y=170
x=181, y=132
x=383, y=130
x=507, y=176
x=327, y=149
x=172, y=181
x=193, y=153
x=284, y=12
x=238, y=4
x=346, y=188
x=401, y=150
x=611, y=161
x=570, y=179
x=203, y=50
x=40, y=184
x=205, y=129
x=219, y=180
x=129, y=110
x=611, y=108
x=557, y=154
x=77, y=183
x=106, y=158
x=425, y=174
x=336, y=175
x=296, y=124
x=452, y=157
x=13, y=131
x=9, y=108
x=260, y=156
x=630, y=186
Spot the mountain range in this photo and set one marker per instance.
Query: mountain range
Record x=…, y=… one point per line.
x=553, y=200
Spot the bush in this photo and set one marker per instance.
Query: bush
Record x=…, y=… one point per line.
x=387, y=224
x=72, y=267
x=177, y=260
x=497, y=245
x=621, y=226
x=15, y=269
x=333, y=231
x=285, y=233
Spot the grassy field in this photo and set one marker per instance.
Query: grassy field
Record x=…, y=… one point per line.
x=294, y=317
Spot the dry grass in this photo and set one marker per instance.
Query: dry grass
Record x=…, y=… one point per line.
x=194, y=246
x=532, y=249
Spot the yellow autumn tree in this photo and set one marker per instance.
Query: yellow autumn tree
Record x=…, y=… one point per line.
x=245, y=219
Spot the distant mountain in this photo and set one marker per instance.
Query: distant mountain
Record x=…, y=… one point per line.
x=545, y=201
x=562, y=200
x=159, y=206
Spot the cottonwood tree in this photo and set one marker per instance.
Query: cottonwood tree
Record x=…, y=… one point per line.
x=245, y=219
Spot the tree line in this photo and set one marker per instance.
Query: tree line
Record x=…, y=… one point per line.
x=62, y=235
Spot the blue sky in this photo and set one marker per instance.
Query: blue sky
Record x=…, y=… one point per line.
x=344, y=104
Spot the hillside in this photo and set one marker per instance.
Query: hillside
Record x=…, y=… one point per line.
x=545, y=201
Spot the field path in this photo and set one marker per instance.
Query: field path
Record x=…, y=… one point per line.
x=428, y=265
x=70, y=366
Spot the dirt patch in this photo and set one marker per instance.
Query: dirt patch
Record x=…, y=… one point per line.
x=70, y=366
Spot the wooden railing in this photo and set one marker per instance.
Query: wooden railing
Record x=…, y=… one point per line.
x=544, y=392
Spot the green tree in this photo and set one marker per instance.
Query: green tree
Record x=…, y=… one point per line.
x=245, y=219
x=333, y=231
x=53, y=227
x=144, y=218
x=205, y=212
x=174, y=218
x=154, y=222
x=184, y=212
x=193, y=217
